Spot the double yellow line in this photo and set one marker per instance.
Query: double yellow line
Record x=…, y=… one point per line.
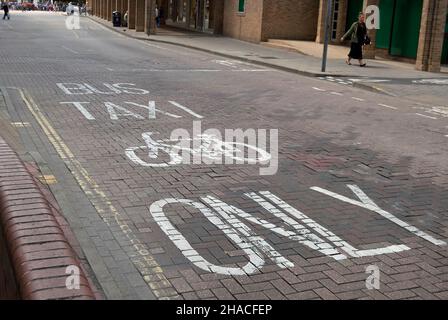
x=142, y=259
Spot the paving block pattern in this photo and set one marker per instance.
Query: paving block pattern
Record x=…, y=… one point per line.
x=39, y=250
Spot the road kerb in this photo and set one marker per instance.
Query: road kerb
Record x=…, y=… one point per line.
x=40, y=253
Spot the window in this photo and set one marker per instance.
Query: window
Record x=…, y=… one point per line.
x=241, y=6
x=334, y=24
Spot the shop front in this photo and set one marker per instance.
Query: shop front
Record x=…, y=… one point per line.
x=399, y=32
x=198, y=15
x=445, y=44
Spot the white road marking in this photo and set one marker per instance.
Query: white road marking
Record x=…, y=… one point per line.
x=352, y=251
x=367, y=203
x=85, y=88
x=237, y=231
x=114, y=114
x=70, y=50
x=336, y=93
x=227, y=63
x=387, y=106
x=178, y=105
x=442, y=81
x=294, y=225
x=151, y=107
x=81, y=109
x=202, y=70
x=20, y=124
x=319, y=89
x=110, y=69
x=425, y=116
x=369, y=80
x=141, y=257
x=358, y=99
x=254, y=70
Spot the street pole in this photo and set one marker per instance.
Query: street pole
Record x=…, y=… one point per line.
x=327, y=34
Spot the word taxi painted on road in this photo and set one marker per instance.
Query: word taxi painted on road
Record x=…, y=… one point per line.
x=125, y=109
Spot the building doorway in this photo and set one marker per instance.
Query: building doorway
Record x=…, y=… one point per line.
x=177, y=11
x=209, y=15
x=202, y=15
x=445, y=44
x=353, y=9
x=399, y=32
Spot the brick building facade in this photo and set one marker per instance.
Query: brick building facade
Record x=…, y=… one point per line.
x=416, y=30
x=261, y=20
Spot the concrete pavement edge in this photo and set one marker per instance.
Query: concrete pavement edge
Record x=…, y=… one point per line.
x=260, y=63
x=39, y=250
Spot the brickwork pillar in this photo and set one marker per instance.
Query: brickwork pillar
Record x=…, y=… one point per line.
x=150, y=22
x=320, y=37
x=131, y=14
x=103, y=9
x=124, y=6
x=109, y=10
x=119, y=7
x=219, y=17
x=140, y=15
x=342, y=20
x=431, y=38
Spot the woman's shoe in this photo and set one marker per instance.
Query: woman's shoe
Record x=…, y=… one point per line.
x=363, y=65
x=348, y=62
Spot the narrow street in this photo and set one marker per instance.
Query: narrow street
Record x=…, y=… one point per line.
x=362, y=177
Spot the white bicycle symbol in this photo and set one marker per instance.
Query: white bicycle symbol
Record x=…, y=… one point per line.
x=206, y=146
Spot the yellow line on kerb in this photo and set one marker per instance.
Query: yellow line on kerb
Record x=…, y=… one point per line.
x=144, y=262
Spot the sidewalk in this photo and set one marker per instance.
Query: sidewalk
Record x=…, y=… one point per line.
x=289, y=59
x=34, y=235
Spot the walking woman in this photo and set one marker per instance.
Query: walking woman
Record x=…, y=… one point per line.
x=5, y=8
x=358, y=37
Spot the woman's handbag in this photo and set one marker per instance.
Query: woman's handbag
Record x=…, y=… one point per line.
x=367, y=40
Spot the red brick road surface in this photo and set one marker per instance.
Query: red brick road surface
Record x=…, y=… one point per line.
x=331, y=136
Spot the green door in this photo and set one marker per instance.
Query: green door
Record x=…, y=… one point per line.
x=406, y=28
x=353, y=10
x=386, y=18
x=445, y=44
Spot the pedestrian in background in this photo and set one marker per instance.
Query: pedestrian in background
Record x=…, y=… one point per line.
x=161, y=16
x=358, y=37
x=5, y=8
x=125, y=19
x=157, y=15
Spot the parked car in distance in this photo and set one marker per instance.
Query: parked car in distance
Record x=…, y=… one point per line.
x=26, y=6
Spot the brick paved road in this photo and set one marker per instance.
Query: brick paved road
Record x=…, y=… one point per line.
x=377, y=166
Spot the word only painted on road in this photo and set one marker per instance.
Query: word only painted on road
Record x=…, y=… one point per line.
x=301, y=229
x=126, y=109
